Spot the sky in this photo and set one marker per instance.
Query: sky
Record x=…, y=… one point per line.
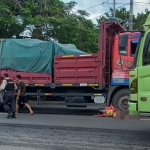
x=101, y=9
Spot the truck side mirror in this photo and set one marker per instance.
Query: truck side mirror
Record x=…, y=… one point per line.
x=123, y=42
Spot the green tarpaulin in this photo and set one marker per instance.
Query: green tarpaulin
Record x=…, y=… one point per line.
x=31, y=55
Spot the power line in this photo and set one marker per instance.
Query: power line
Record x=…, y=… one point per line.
x=117, y=8
x=96, y=5
x=105, y=2
x=141, y=3
x=109, y=11
x=134, y=3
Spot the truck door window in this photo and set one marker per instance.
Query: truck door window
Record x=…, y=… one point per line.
x=146, y=51
x=123, y=42
x=133, y=47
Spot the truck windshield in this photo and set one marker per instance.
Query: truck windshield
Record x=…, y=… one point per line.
x=137, y=51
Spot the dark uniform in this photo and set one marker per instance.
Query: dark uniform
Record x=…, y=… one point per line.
x=9, y=102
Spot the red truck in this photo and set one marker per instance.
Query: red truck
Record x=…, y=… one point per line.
x=88, y=79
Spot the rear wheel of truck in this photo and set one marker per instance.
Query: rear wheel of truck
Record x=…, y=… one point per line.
x=120, y=100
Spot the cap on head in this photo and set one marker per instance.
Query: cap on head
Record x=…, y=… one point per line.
x=5, y=75
x=18, y=76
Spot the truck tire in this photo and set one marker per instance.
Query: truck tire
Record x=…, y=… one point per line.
x=120, y=99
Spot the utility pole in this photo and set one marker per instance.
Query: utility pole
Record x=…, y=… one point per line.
x=131, y=16
x=114, y=8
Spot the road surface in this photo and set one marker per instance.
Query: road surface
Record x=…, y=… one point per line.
x=69, y=132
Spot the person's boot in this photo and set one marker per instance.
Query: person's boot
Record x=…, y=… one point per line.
x=9, y=114
x=13, y=115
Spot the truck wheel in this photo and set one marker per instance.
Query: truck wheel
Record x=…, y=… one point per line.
x=120, y=100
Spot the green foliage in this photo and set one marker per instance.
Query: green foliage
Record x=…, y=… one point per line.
x=52, y=19
x=138, y=20
x=56, y=20
x=37, y=34
x=9, y=22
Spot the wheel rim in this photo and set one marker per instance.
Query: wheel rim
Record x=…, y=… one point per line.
x=123, y=102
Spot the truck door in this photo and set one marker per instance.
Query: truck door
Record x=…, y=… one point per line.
x=144, y=76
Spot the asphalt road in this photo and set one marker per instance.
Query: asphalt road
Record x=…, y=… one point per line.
x=66, y=132
x=59, y=109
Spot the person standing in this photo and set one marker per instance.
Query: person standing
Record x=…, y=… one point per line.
x=9, y=102
x=21, y=95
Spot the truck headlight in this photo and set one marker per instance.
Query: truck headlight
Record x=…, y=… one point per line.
x=133, y=87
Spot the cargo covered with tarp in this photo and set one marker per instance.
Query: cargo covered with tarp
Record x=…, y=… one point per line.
x=32, y=55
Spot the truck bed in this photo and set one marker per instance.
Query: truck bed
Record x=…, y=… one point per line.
x=77, y=69
x=28, y=77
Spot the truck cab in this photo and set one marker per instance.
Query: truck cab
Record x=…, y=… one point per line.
x=140, y=74
x=117, y=49
x=123, y=51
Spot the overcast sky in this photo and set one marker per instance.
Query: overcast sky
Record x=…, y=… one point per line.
x=101, y=9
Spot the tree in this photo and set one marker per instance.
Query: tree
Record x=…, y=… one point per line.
x=80, y=31
x=56, y=20
x=138, y=20
x=10, y=24
x=52, y=20
x=121, y=13
x=37, y=34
